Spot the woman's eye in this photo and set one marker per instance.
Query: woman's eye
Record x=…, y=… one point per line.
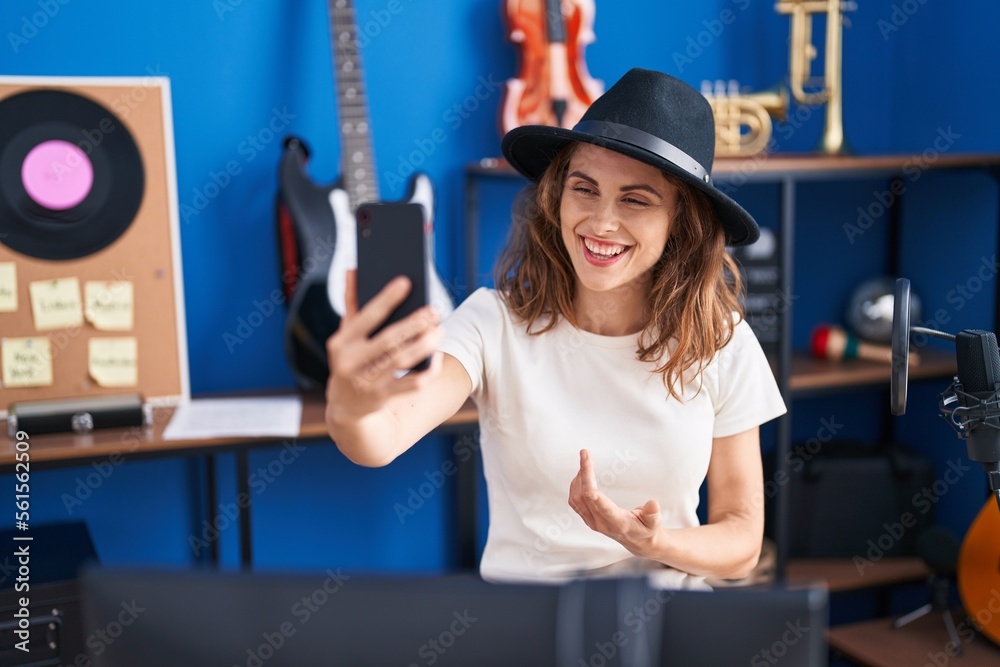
x=639, y=202
x=583, y=190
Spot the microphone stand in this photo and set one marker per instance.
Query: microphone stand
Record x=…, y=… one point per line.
x=933, y=333
x=939, y=550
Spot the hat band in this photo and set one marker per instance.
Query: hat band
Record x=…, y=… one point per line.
x=646, y=141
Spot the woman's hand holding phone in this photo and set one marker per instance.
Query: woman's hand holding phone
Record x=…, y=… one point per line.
x=363, y=370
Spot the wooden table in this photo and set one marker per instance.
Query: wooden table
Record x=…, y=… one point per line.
x=135, y=443
x=61, y=449
x=923, y=642
x=841, y=574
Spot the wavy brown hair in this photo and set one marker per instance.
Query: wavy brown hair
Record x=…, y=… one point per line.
x=694, y=287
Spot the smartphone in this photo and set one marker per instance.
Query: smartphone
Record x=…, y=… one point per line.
x=393, y=240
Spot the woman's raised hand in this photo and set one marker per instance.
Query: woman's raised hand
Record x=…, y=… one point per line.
x=364, y=371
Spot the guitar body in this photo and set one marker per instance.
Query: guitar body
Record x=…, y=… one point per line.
x=307, y=240
x=979, y=571
x=316, y=225
x=318, y=244
x=345, y=257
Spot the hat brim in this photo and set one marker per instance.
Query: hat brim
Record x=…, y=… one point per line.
x=531, y=148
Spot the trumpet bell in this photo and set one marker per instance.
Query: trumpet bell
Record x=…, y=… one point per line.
x=743, y=121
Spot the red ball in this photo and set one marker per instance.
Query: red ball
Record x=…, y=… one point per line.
x=820, y=336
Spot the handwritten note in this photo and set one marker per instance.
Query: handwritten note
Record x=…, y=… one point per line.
x=8, y=287
x=108, y=305
x=27, y=362
x=114, y=362
x=55, y=304
x=275, y=416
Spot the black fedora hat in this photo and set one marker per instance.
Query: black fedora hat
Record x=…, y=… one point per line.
x=651, y=117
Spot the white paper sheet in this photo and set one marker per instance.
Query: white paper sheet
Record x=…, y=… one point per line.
x=277, y=416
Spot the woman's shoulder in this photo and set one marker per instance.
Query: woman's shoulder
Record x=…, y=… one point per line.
x=741, y=329
x=741, y=335
x=484, y=295
x=743, y=341
x=489, y=306
x=484, y=306
x=484, y=298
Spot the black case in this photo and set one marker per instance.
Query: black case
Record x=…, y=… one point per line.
x=78, y=415
x=851, y=499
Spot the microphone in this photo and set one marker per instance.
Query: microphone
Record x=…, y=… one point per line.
x=976, y=418
x=976, y=391
x=978, y=360
x=971, y=404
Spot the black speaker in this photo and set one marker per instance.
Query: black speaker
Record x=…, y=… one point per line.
x=849, y=499
x=46, y=578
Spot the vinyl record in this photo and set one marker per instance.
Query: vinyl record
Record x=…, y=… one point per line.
x=71, y=176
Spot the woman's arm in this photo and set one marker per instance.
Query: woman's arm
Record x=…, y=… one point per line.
x=372, y=415
x=728, y=546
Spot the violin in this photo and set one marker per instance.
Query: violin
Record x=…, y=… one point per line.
x=553, y=86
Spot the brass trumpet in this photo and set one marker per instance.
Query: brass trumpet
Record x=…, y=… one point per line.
x=821, y=90
x=743, y=121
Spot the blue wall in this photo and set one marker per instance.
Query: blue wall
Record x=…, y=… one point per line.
x=235, y=64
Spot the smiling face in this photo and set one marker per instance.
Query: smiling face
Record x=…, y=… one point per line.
x=615, y=215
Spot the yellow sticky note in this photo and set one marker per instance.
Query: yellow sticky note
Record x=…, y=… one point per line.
x=55, y=304
x=108, y=305
x=114, y=362
x=27, y=362
x=8, y=287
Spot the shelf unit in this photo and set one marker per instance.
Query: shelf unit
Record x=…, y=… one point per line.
x=797, y=373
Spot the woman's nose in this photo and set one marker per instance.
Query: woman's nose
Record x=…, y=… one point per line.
x=605, y=216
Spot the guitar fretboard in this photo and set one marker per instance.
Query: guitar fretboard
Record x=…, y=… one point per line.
x=555, y=24
x=357, y=157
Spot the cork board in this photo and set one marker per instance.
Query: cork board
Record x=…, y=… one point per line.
x=147, y=254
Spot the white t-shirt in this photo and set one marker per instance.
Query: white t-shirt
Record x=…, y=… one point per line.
x=543, y=398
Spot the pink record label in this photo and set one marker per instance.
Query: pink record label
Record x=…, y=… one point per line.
x=57, y=175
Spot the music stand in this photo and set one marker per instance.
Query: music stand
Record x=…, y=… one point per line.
x=300, y=620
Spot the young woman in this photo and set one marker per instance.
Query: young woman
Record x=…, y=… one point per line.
x=611, y=366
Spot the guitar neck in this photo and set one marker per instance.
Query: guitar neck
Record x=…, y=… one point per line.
x=357, y=162
x=555, y=24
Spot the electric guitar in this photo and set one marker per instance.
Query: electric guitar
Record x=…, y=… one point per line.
x=979, y=571
x=316, y=224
